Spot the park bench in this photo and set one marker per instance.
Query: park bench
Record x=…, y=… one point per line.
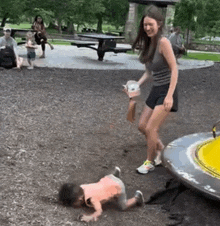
x=83, y=43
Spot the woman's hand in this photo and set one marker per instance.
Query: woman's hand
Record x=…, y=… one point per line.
x=168, y=103
x=126, y=91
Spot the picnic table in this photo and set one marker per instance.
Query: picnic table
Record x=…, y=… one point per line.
x=106, y=43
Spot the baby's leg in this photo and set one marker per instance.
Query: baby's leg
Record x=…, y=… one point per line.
x=29, y=61
x=130, y=203
x=137, y=200
x=123, y=202
x=32, y=63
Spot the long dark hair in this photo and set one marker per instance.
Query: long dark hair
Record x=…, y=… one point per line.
x=147, y=45
x=35, y=19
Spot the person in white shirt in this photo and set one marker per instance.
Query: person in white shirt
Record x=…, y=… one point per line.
x=7, y=42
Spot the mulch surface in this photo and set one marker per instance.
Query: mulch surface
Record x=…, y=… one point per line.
x=62, y=125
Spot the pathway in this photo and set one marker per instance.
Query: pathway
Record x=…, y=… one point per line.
x=84, y=58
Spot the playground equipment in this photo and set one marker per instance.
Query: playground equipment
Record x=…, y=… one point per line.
x=195, y=160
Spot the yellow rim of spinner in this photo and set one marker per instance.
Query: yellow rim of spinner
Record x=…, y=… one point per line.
x=203, y=151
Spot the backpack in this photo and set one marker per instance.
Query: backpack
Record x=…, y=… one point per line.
x=7, y=57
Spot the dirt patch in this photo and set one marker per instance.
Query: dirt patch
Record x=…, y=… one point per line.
x=60, y=125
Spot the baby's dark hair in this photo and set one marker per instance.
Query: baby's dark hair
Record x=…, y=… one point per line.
x=69, y=193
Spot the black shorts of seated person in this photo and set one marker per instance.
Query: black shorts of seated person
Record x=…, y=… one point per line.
x=7, y=58
x=39, y=38
x=157, y=96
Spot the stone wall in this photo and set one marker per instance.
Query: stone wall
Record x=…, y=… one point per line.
x=204, y=47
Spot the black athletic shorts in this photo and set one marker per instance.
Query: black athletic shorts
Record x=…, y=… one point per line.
x=157, y=96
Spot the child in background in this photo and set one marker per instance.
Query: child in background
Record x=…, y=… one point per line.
x=94, y=195
x=30, y=45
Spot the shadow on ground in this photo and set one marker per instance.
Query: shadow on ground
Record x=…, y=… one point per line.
x=60, y=125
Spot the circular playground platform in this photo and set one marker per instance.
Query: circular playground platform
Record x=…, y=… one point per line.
x=195, y=160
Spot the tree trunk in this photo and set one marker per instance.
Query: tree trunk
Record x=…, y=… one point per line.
x=59, y=26
x=52, y=26
x=70, y=27
x=4, y=20
x=99, y=25
x=187, y=37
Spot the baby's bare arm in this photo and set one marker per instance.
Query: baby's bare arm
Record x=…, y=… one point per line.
x=93, y=217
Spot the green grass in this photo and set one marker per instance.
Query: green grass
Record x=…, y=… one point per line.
x=203, y=56
x=60, y=42
x=205, y=42
x=55, y=42
x=20, y=26
x=195, y=56
x=132, y=52
x=105, y=27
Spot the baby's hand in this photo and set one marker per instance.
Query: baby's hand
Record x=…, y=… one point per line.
x=87, y=218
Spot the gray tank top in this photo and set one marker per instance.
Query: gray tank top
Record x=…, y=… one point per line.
x=160, y=69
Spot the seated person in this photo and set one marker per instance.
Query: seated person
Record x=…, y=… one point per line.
x=40, y=34
x=177, y=43
x=8, y=55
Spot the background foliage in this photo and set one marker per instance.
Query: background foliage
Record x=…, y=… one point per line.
x=200, y=16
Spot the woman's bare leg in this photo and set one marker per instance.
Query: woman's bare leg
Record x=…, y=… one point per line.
x=156, y=120
x=145, y=116
x=160, y=145
x=51, y=46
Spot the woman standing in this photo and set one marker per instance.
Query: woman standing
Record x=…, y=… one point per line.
x=157, y=54
x=40, y=34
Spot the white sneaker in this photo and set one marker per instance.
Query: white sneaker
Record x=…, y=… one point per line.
x=30, y=67
x=146, y=167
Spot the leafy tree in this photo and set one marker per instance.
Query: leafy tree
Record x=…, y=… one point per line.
x=211, y=16
x=185, y=13
x=201, y=16
x=67, y=12
x=91, y=11
x=215, y=30
x=61, y=10
x=12, y=9
x=116, y=12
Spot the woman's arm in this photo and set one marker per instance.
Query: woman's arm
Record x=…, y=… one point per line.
x=144, y=78
x=34, y=27
x=167, y=51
